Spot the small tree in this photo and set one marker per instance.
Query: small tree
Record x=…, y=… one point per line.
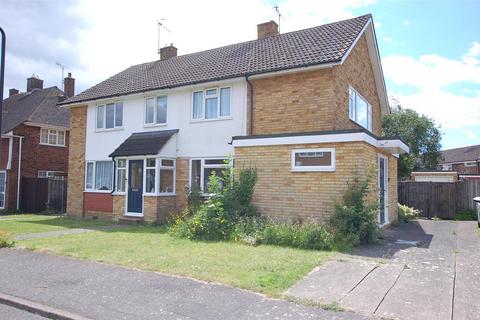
x=422, y=135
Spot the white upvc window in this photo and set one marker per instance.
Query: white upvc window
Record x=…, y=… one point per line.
x=319, y=159
x=166, y=174
x=49, y=174
x=447, y=167
x=156, y=110
x=52, y=137
x=3, y=180
x=109, y=116
x=150, y=175
x=359, y=110
x=99, y=176
x=201, y=170
x=211, y=103
x=121, y=175
x=471, y=164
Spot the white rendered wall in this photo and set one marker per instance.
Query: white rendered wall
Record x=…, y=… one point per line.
x=194, y=139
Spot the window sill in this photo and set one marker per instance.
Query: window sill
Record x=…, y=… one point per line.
x=52, y=145
x=209, y=120
x=118, y=193
x=108, y=130
x=310, y=169
x=97, y=191
x=153, y=125
x=159, y=194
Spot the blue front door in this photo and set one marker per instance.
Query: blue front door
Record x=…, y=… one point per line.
x=135, y=186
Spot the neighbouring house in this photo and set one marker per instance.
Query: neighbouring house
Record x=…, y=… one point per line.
x=465, y=161
x=304, y=108
x=34, y=137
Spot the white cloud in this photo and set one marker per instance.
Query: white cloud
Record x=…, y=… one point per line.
x=470, y=134
x=430, y=75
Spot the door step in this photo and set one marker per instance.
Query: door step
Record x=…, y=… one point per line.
x=130, y=220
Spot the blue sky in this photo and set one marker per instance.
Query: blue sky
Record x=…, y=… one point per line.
x=447, y=29
x=430, y=49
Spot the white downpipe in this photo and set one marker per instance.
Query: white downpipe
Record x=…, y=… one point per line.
x=19, y=171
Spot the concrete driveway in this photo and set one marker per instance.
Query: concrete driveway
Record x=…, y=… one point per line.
x=424, y=270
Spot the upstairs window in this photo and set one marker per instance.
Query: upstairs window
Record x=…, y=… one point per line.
x=359, y=109
x=211, y=103
x=471, y=164
x=110, y=116
x=52, y=137
x=156, y=110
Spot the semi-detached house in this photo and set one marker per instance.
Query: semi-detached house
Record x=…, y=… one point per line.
x=303, y=108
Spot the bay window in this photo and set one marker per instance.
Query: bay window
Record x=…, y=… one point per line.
x=121, y=175
x=167, y=176
x=150, y=168
x=212, y=103
x=99, y=175
x=156, y=110
x=202, y=169
x=359, y=109
x=109, y=116
x=52, y=137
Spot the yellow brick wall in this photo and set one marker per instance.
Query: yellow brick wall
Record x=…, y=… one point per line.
x=182, y=183
x=297, y=102
x=355, y=71
x=76, y=161
x=281, y=193
x=392, y=188
x=118, y=206
x=158, y=209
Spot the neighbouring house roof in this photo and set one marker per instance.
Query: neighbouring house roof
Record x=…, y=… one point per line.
x=324, y=44
x=470, y=153
x=38, y=106
x=143, y=143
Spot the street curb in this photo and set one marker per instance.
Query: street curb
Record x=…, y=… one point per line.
x=37, y=308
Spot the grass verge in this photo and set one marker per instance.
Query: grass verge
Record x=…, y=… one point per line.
x=265, y=269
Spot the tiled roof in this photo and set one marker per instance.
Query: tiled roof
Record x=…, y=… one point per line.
x=38, y=106
x=470, y=153
x=143, y=143
x=319, y=45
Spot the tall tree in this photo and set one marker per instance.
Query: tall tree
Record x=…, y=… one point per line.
x=422, y=135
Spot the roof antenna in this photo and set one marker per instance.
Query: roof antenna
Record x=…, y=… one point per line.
x=280, y=16
x=63, y=67
x=160, y=27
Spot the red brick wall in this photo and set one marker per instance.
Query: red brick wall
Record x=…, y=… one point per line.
x=36, y=156
x=98, y=202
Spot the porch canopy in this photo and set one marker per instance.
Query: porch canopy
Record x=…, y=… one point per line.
x=143, y=143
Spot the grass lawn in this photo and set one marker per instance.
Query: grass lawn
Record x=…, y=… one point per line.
x=266, y=269
x=30, y=223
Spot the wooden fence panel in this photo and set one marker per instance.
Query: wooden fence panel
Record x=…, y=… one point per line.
x=57, y=194
x=34, y=194
x=439, y=199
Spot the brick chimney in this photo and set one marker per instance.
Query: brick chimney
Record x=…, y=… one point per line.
x=12, y=92
x=69, y=85
x=168, y=52
x=267, y=29
x=34, y=83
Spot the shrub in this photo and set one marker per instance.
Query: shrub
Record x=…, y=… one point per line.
x=215, y=218
x=5, y=240
x=466, y=215
x=249, y=230
x=354, y=221
x=406, y=213
x=302, y=236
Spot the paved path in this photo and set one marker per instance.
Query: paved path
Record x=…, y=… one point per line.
x=439, y=279
x=59, y=233
x=100, y=291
